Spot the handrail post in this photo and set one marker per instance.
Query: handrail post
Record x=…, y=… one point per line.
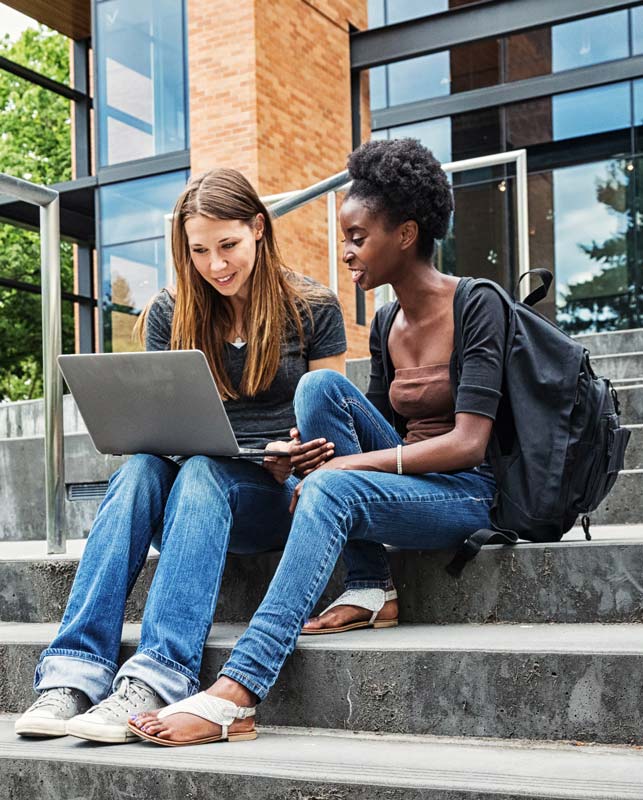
x=49, y=203
x=331, y=208
x=52, y=380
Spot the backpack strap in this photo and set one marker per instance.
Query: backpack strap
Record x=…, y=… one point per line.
x=471, y=546
x=540, y=292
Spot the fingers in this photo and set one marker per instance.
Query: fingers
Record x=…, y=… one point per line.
x=304, y=455
x=295, y=497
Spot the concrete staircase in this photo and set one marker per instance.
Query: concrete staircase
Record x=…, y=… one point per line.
x=521, y=679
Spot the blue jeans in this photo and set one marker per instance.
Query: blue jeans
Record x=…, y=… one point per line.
x=357, y=509
x=195, y=513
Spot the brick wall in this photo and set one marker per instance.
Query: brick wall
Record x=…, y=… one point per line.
x=270, y=95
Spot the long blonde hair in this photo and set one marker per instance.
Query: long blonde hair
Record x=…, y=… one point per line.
x=202, y=316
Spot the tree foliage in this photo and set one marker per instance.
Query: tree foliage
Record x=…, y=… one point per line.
x=35, y=144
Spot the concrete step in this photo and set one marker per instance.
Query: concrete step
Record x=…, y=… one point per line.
x=601, y=344
x=634, y=452
x=570, y=581
x=313, y=764
x=631, y=400
x=619, y=366
x=506, y=681
x=624, y=504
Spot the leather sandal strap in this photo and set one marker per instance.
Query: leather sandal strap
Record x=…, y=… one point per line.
x=213, y=709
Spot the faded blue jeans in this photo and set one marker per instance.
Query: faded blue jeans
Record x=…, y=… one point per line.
x=194, y=514
x=357, y=510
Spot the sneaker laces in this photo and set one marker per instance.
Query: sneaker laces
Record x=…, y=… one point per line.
x=56, y=698
x=129, y=689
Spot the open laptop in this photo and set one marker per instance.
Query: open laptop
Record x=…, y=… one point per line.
x=164, y=402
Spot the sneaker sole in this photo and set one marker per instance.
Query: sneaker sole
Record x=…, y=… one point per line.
x=108, y=734
x=41, y=727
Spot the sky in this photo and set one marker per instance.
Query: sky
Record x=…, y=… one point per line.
x=12, y=22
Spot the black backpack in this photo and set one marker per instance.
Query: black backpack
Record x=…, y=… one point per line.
x=556, y=446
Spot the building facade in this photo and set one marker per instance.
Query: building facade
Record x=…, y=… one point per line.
x=283, y=90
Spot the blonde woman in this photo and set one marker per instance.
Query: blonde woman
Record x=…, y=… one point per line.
x=261, y=328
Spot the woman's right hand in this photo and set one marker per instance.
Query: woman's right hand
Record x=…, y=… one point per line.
x=307, y=456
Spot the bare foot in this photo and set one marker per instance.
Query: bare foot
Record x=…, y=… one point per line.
x=187, y=727
x=339, y=616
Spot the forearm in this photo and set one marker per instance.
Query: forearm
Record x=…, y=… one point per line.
x=447, y=453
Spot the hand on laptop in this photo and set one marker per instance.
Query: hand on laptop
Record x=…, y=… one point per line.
x=303, y=459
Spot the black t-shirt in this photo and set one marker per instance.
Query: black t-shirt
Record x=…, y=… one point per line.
x=270, y=415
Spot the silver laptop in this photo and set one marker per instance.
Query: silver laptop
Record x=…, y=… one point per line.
x=164, y=403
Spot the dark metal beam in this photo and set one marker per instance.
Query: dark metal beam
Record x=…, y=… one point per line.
x=144, y=167
x=466, y=24
x=34, y=288
x=40, y=80
x=514, y=92
x=81, y=111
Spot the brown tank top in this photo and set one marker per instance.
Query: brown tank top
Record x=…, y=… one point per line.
x=422, y=395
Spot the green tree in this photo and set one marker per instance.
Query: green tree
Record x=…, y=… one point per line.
x=35, y=144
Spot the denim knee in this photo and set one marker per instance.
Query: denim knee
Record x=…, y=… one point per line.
x=145, y=469
x=315, y=386
x=324, y=490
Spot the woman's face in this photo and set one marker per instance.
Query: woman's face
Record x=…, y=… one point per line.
x=224, y=251
x=372, y=251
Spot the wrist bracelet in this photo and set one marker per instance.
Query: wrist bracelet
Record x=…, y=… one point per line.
x=399, y=460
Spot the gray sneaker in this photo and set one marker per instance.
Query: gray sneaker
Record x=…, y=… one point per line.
x=107, y=722
x=49, y=715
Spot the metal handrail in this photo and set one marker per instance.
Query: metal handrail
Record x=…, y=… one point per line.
x=49, y=204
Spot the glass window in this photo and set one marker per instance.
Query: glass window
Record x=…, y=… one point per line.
x=597, y=280
x=419, y=78
x=567, y=116
x=376, y=13
x=589, y=41
x=401, y=10
x=133, y=256
x=434, y=134
x=136, y=210
x=637, y=30
x=377, y=81
x=142, y=97
x=603, y=108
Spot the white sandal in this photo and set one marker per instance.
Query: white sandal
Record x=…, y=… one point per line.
x=207, y=706
x=372, y=599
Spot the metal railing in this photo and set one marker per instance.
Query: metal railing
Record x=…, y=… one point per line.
x=49, y=204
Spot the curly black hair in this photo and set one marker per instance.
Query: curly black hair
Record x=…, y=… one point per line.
x=402, y=180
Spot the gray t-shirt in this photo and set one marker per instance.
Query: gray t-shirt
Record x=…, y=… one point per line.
x=270, y=415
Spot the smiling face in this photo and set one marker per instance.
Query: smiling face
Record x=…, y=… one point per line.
x=373, y=251
x=224, y=251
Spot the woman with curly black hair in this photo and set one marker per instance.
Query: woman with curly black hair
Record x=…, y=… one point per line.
x=409, y=464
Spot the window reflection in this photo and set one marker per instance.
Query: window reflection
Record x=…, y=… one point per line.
x=133, y=257
x=141, y=102
x=136, y=209
x=566, y=116
x=598, y=284
x=589, y=41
